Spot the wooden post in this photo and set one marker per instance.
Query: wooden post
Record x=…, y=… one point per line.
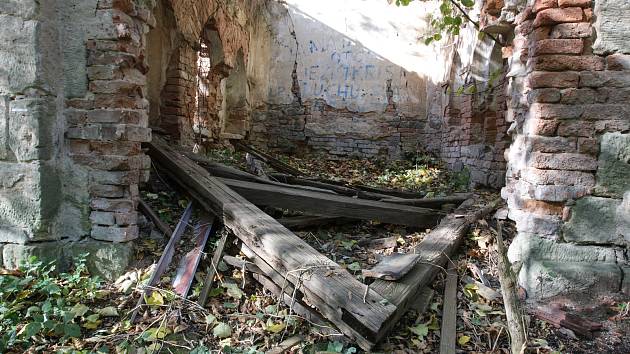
x=513, y=312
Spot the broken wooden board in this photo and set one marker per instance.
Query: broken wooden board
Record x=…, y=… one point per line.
x=392, y=267
x=189, y=263
x=435, y=249
x=165, y=259
x=216, y=258
x=323, y=282
x=304, y=221
x=316, y=203
x=448, y=332
x=338, y=188
x=267, y=158
x=433, y=203
x=149, y=212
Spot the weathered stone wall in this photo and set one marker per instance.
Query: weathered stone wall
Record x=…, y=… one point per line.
x=568, y=180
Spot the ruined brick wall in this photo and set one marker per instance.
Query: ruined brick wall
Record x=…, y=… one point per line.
x=324, y=89
x=473, y=133
x=568, y=180
x=74, y=108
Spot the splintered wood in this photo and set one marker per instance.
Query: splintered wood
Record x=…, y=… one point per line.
x=322, y=282
x=308, y=281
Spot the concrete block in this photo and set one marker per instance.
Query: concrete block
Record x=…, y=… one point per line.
x=13, y=255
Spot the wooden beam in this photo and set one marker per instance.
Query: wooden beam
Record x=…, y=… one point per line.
x=316, y=203
x=448, y=333
x=216, y=258
x=338, y=188
x=323, y=282
x=267, y=158
x=304, y=221
x=149, y=212
x=435, y=249
x=433, y=203
x=392, y=267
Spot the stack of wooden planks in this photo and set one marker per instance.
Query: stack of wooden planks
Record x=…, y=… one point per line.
x=291, y=268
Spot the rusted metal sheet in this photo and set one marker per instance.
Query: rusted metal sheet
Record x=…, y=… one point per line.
x=206, y=226
x=165, y=259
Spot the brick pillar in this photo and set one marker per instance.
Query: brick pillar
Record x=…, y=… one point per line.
x=568, y=107
x=106, y=127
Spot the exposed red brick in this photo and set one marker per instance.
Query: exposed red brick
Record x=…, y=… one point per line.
x=544, y=4
x=571, y=30
x=576, y=3
x=542, y=207
x=542, y=127
x=555, y=111
x=577, y=128
x=564, y=161
x=553, y=16
x=567, y=63
x=558, y=46
x=579, y=96
x=539, y=79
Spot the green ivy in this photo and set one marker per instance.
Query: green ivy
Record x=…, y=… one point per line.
x=38, y=305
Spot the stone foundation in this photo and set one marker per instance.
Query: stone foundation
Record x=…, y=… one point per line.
x=568, y=185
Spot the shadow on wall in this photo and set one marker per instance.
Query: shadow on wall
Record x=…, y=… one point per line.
x=359, y=79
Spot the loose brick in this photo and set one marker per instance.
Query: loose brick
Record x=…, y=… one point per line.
x=553, y=16
x=571, y=30
x=542, y=207
x=566, y=63
x=558, y=46
x=541, y=79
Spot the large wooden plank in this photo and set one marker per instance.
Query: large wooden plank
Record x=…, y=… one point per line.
x=448, y=331
x=436, y=248
x=321, y=279
x=433, y=203
x=316, y=203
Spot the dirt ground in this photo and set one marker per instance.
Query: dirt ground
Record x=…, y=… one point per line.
x=258, y=321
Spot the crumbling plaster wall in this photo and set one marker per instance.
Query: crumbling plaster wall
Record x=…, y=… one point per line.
x=568, y=178
x=325, y=81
